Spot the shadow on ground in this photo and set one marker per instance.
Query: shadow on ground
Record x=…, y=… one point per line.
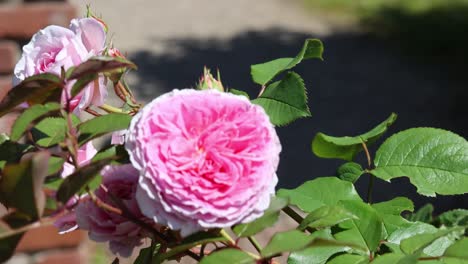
x=360, y=82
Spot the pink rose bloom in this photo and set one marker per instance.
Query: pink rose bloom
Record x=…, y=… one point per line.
x=103, y=226
x=207, y=159
x=67, y=222
x=55, y=47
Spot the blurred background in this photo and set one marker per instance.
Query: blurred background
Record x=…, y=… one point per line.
x=381, y=56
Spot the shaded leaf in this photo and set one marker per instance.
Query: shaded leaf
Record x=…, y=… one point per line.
x=82, y=83
x=35, y=90
x=228, y=256
x=99, y=64
x=424, y=214
x=457, y=217
x=79, y=179
x=458, y=251
x=146, y=255
x=265, y=72
x=21, y=184
x=346, y=148
x=419, y=242
x=285, y=242
x=350, y=171
x=30, y=116
x=11, y=152
x=102, y=125
x=269, y=218
x=8, y=243
x=319, y=192
x=366, y=230
x=285, y=101
x=326, y=216
x=50, y=131
x=435, y=160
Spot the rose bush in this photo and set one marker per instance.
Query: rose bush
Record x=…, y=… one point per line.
x=55, y=47
x=207, y=159
x=194, y=163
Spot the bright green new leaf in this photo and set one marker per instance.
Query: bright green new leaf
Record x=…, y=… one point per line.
x=21, y=184
x=81, y=177
x=268, y=219
x=390, y=213
x=412, y=229
x=34, y=90
x=30, y=116
x=319, y=192
x=350, y=171
x=229, y=255
x=265, y=72
x=419, y=242
x=285, y=101
x=349, y=259
x=366, y=230
x=102, y=125
x=346, y=148
x=326, y=216
x=435, y=160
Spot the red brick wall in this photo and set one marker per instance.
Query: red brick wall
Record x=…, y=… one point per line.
x=19, y=20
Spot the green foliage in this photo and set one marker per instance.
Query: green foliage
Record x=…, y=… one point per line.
x=37, y=89
x=228, y=256
x=319, y=192
x=349, y=259
x=50, y=131
x=102, y=125
x=265, y=72
x=435, y=160
x=457, y=217
x=21, y=185
x=424, y=214
x=269, y=218
x=285, y=101
x=239, y=92
x=350, y=171
x=346, y=148
x=390, y=213
x=326, y=216
x=30, y=116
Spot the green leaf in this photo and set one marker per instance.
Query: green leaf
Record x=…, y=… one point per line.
x=458, y=251
x=265, y=72
x=286, y=241
x=229, y=255
x=79, y=179
x=390, y=213
x=424, y=214
x=319, y=192
x=11, y=152
x=34, y=90
x=326, y=216
x=285, y=101
x=349, y=259
x=410, y=230
x=457, y=217
x=269, y=218
x=346, y=148
x=350, y=171
x=30, y=116
x=366, y=228
x=239, y=92
x=394, y=258
x=435, y=160
x=438, y=247
x=81, y=83
x=21, y=184
x=419, y=242
x=99, y=64
x=102, y=125
x=50, y=131
x=146, y=255
x=190, y=242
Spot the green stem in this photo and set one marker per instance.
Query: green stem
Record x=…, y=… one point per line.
x=255, y=243
x=227, y=236
x=111, y=109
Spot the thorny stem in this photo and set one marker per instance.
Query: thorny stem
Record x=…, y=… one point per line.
x=91, y=111
x=371, y=179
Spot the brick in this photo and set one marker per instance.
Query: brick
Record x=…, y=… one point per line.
x=47, y=237
x=9, y=53
x=22, y=21
x=72, y=256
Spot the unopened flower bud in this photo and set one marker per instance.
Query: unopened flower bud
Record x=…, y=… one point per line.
x=207, y=81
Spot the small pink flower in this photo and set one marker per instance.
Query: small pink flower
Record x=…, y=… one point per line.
x=67, y=222
x=103, y=226
x=207, y=159
x=55, y=47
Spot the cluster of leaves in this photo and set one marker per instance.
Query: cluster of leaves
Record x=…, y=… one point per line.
x=334, y=224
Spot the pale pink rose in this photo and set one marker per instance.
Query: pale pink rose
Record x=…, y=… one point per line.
x=104, y=226
x=67, y=222
x=118, y=137
x=55, y=47
x=207, y=159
